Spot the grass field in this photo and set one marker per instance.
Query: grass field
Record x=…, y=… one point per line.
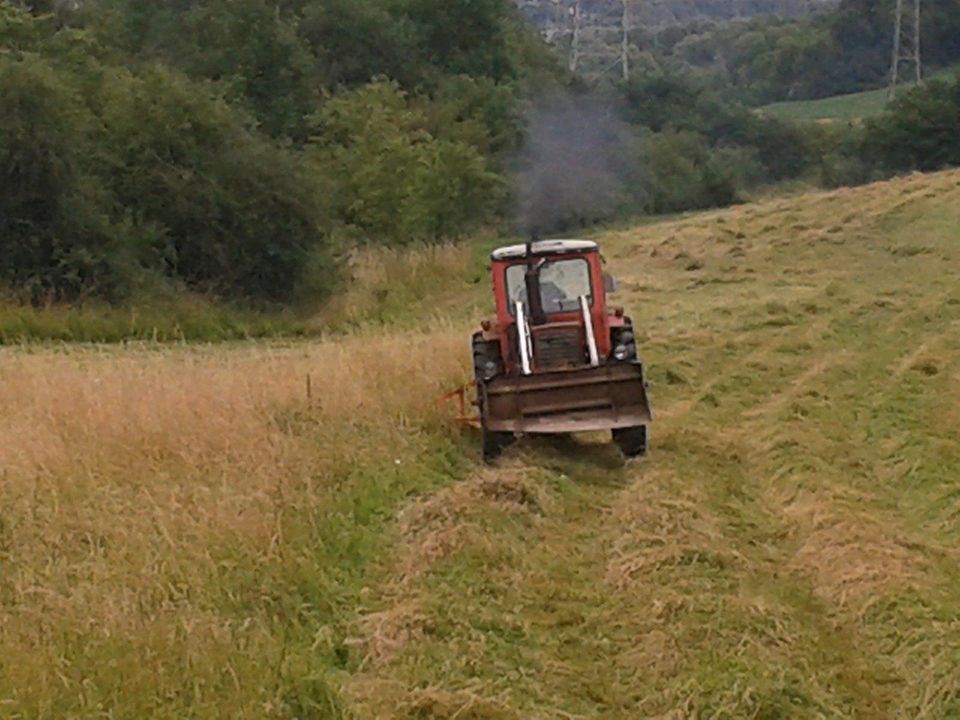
x=189, y=532
x=842, y=108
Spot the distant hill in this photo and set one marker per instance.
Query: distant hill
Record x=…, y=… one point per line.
x=554, y=16
x=601, y=21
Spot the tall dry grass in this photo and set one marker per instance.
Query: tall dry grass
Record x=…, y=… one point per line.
x=173, y=523
x=409, y=286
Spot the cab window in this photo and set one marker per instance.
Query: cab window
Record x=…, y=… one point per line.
x=562, y=283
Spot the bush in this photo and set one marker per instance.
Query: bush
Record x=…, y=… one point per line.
x=237, y=215
x=392, y=180
x=665, y=101
x=919, y=131
x=57, y=238
x=684, y=174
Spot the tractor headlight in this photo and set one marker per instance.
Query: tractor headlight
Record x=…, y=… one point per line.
x=621, y=352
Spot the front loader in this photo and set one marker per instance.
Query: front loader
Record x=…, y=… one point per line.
x=557, y=359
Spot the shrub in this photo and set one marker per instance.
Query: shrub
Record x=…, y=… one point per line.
x=238, y=215
x=393, y=180
x=684, y=174
x=57, y=238
x=920, y=130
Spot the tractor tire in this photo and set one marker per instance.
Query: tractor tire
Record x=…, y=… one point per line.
x=483, y=352
x=631, y=441
x=494, y=443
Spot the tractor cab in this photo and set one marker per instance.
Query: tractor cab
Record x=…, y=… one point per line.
x=557, y=289
x=557, y=358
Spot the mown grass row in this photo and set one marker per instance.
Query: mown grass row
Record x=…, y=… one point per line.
x=788, y=549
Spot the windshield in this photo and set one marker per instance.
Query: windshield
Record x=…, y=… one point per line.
x=561, y=285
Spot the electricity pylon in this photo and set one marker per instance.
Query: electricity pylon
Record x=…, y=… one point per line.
x=590, y=44
x=575, y=15
x=625, y=41
x=906, y=43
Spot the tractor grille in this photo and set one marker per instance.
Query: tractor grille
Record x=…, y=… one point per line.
x=555, y=348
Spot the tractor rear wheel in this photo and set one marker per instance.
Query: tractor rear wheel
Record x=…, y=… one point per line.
x=494, y=443
x=632, y=441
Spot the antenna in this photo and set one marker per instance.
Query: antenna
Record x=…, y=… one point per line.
x=906, y=43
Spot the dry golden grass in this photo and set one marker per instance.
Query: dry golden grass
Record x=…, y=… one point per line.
x=386, y=285
x=135, y=481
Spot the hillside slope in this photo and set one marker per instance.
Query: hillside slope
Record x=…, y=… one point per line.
x=845, y=108
x=294, y=530
x=789, y=549
x=552, y=16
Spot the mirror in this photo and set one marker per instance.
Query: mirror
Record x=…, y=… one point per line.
x=610, y=283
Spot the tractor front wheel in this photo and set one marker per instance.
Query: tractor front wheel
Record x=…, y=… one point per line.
x=632, y=441
x=494, y=443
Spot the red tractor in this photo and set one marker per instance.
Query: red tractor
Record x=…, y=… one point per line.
x=557, y=359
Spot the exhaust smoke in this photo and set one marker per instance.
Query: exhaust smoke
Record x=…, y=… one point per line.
x=573, y=167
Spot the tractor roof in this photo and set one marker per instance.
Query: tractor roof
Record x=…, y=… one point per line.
x=545, y=247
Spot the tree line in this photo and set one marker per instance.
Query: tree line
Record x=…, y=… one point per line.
x=844, y=50
x=235, y=147
x=238, y=148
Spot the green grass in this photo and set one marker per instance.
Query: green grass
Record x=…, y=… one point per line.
x=840, y=108
x=184, y=319
x=787, y=550
x=379, y=287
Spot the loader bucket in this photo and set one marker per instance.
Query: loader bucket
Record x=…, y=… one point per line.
x=604, y=398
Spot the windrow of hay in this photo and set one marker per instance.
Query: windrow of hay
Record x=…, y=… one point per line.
x=850, y=555
x=661, y=524
x=432, y=529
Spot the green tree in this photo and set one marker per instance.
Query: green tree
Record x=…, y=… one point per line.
x=396, y=182
x=239, y=216
x=919, y=131
x=57, y=237
x=251, y=47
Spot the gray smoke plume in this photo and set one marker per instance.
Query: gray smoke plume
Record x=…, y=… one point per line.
x=573, y=167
